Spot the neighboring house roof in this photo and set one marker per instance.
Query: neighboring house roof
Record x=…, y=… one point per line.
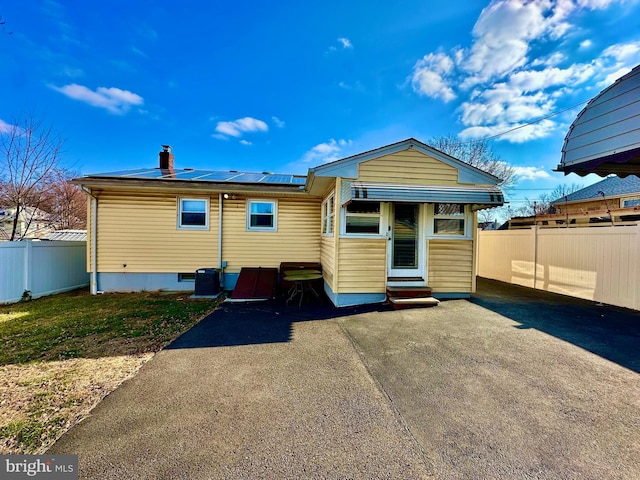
x=605, y=136
x=26, y=213
x=67, y=236
x=610, y=186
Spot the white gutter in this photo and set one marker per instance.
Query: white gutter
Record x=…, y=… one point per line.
x=94, y=239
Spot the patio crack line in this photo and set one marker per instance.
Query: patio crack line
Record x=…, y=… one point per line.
x=386, y=394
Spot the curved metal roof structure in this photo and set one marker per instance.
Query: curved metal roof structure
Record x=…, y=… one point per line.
x=605, y=136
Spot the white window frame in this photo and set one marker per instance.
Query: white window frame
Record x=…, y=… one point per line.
x=206, y=213
x=329, y=215
x=467, y=217
x=273, y=202
x=382, y=225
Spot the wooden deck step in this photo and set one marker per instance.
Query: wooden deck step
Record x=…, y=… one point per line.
x=405, y=302
x=408, y=291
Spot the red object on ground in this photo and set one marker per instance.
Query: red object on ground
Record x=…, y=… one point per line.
x=256, y=283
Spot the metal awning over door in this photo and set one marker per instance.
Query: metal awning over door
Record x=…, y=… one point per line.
x=479, y=197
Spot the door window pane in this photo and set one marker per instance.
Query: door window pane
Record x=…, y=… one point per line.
x=405, y=235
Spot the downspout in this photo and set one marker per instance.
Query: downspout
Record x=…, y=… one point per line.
x=220, y=208
x=94, y=239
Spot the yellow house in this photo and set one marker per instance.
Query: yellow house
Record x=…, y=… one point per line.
x=400, y=216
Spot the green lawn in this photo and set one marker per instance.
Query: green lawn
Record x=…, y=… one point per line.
x=62, y=354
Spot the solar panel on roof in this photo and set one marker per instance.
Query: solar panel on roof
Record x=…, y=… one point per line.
x=276, y=178
x=213, y=176
x=120, y=173
x=249, y=178
x=204, y=176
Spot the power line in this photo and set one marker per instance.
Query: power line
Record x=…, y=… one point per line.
x=525, y=125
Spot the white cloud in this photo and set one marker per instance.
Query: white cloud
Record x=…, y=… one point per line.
x=518, y=133
x=245, y=142
x=612, y=77
x=430, y=76
x=556, y=58
x=325, y=152
x=138, y=52
x=114, y=100
x=345, y=42
x=279, y=123
x=585, y=44
x=530, y=173
x=5, y=127
x=622, y=51
x=237, y=128
x=500, y=86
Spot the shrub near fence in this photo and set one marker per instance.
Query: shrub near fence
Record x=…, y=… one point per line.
x=594, y=263
x=41, y=268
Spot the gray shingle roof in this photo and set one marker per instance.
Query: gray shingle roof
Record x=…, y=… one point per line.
x=611, y=186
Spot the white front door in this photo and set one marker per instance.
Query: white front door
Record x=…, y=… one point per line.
x=405, y=255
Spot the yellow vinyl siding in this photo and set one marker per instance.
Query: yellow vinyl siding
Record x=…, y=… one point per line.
x=408, y=166
x=450, y=265
x=297, y=238
x=139, y=230
x=362, y=265
x=327, y=246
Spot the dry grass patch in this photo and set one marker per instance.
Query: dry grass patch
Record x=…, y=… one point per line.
x=62, y=354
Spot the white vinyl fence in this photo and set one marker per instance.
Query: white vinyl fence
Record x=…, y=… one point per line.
x=43, y=268
x=594, y=263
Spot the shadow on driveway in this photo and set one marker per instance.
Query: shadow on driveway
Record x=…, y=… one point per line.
x=235, y=324
x=610, y=332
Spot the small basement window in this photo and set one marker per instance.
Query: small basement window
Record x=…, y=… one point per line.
x=262, y=215
x=193, y=213
x=186, y=277
x=448, y=219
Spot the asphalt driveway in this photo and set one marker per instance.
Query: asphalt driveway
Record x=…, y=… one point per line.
x=510, y=384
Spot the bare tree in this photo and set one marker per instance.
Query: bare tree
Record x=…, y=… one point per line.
x=542, y=204
x=65, y=202
x=478, y=154
x=29, y=157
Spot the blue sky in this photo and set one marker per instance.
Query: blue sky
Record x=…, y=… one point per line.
x=284, y=86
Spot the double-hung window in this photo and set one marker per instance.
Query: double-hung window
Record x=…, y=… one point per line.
x=328, y=214
x=448, y=219
x=262, y=215
x=193, y=213
x=362, y=218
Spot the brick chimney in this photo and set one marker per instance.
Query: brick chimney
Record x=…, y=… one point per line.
x=166, y=158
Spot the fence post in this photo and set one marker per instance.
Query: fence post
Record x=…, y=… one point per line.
x=535, y=256
x=28, y=254
x=636, y=294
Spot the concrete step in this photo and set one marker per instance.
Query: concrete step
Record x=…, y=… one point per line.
x=407, y=302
